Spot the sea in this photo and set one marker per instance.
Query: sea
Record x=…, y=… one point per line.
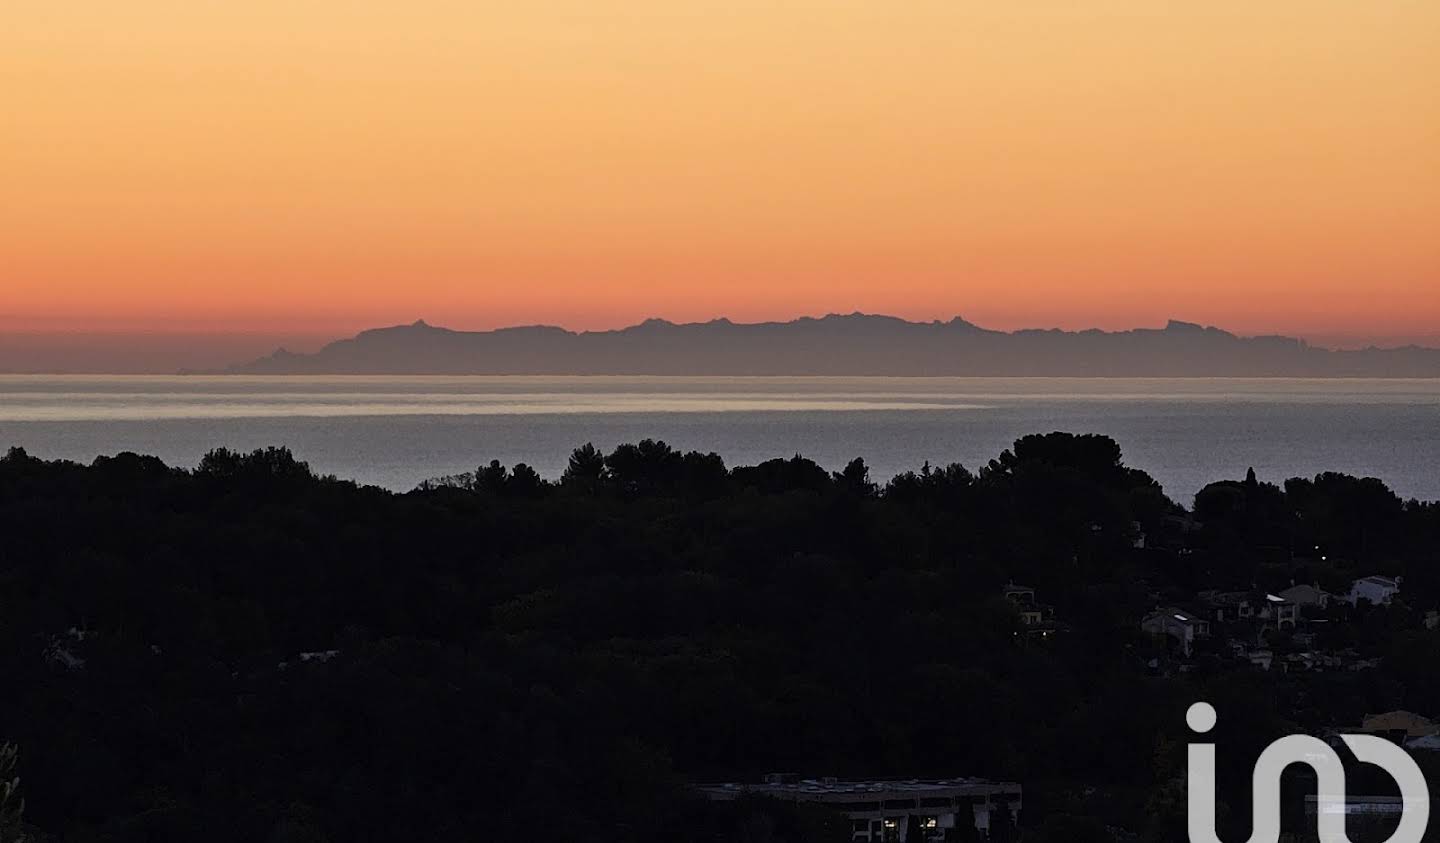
x=395, y=431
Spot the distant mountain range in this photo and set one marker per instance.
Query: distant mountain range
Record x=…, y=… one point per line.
x=854, y=344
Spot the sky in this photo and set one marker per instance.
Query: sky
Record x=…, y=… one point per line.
x=300, y=169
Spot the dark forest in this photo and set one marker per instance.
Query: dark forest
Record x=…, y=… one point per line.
x=246, y=651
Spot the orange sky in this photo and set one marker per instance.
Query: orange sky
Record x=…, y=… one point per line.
x=317, y=166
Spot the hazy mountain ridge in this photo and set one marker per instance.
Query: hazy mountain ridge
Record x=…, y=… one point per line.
x=851, y=344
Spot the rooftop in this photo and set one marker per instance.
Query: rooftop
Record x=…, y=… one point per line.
x=825, y=787
x=1379, y=580
x=1178, y=614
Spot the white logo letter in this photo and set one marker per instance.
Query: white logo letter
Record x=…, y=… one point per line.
x=1329, y=775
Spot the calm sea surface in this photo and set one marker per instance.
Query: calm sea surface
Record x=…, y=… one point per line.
x=396, y=431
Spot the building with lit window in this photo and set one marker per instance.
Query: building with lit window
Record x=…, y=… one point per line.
x=1185, y=627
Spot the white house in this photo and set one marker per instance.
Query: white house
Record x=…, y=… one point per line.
x=1279, y=611
x=1380, y=591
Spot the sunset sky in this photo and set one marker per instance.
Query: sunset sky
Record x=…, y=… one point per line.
x=311, y=167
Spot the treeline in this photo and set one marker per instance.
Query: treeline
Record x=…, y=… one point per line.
x=246, y=651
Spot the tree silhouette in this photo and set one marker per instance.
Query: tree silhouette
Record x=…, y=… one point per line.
x=298, y=657
x=585, y=470
x=856, y=478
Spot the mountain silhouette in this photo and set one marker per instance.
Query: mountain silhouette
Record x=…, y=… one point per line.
x=853, y=344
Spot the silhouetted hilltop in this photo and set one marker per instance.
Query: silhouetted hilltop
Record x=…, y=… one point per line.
x=853, y=344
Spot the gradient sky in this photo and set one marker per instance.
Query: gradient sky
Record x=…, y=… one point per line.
x=310, y=167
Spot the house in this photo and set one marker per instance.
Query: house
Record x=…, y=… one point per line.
x=1424, y=743
x=1018, y=593
x=1279, y=612
x=1366, y=817
x=1257, y=655
x=1227, y=606
x=880, y=810
x=1032, y=615
x=1038, y=618
x=1138, y=531
x=1270, y=610
x=1307, y=595
x=1184, y=627
x=1380, y=591
x=1308, y=660
x=1399, y=725
x=1262, y=659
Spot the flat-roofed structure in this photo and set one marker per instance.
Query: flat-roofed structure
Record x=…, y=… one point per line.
x=880, y=809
